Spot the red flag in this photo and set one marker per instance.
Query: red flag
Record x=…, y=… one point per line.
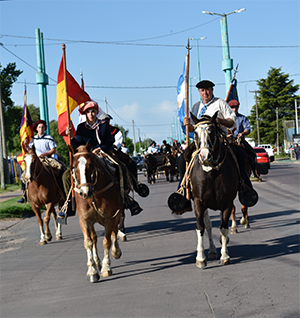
x=76, y=96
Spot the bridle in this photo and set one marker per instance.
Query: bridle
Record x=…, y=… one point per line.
x=214, y=163
x=77, y=186
x=32, y=178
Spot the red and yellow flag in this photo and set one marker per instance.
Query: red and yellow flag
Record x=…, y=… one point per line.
x=76, y=96
x=26, y=131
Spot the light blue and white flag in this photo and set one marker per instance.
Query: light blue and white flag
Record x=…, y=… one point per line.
x=181, y=97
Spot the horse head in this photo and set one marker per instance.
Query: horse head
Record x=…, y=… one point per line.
x=85, y=171
x=30, y=163
x=206, y=138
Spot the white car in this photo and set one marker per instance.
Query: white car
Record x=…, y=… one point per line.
x=269, y=150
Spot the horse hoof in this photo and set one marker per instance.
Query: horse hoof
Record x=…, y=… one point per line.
x=225, y=261
x=93, y=278
x=43, y=242
x=59, y=237
x=242, y=221
x=117, y=254
x=106, y=273
x=234, y=231
x=122, y=236
x=201, y=264
x=212, y=255
x=49, y=239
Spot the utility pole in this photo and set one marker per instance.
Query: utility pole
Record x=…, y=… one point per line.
x=106, y=111
x=257, y=121
x=277, y=131
x=134, y=145
x=296, y=117
x=139, y=140
x=3, y=153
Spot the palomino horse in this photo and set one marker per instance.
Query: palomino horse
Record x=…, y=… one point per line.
x=214, y=184
x=45, y=188
x=98, y=200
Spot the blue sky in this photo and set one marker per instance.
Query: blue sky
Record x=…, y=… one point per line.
x=132, y=52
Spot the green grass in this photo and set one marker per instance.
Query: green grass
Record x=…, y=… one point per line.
x=11, y=209
x=11, y=188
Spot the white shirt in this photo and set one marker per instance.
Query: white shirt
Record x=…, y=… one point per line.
x=118, y=139
x=42, y=144
x=215, y=105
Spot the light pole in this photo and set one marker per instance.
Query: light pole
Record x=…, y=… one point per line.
x=191, y=103
x=198, y=39
x=227, y=63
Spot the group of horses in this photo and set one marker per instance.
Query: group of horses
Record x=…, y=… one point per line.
x=157, y=162
x=214, y=182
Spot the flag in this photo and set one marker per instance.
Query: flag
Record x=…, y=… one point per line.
x=232, y=91
x=76, y=96
x=26, y=130
x=181, y=98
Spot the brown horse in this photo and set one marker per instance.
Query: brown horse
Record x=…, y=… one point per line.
x=214, y=184
x=44, y=189
x=98, y=200
x=169, y=162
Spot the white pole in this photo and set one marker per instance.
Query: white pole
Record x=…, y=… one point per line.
x=134, y=145
x=296, y=115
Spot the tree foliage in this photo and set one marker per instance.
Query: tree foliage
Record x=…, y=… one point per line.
x=275, y=92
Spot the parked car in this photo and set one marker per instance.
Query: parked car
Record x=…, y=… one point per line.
x=262, y=157
x=269, y=151
x=139, y=160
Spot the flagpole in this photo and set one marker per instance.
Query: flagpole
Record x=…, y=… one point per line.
x=233, y=77
x=187, y=91
x=69, y=121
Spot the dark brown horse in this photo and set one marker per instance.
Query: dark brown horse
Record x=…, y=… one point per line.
x=98, y=200
x=169, y=165
x=214, y=184
x=150, y=164
x=44, y=189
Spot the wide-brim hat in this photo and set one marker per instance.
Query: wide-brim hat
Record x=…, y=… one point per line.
x=105, y=116
x=205, y=84
x=40, y=121
x=234, y=103
x=88, y=105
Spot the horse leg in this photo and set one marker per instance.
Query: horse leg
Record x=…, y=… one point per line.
x=95, y=249
x=58, y=232
x=200, y=258
x=121, y=231
x=212, y=254
x=106, y=270
x=115, y=250
x=225, y=215
x=245, y=219
x=92, y=273
x=37, y=213
x=233, y=225
x=167, y=174
x=50, y=209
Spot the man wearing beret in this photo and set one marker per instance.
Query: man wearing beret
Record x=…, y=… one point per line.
x=209, y=105
x=242, y=125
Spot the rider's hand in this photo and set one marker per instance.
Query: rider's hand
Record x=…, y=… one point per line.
x=69, y=132
x=97, y=151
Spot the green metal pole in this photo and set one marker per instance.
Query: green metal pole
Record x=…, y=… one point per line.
x=199, y=77
x=42, y=78
x=227, y=63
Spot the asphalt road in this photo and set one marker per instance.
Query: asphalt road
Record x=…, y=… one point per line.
x=156, y=275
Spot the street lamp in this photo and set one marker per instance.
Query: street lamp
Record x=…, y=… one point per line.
x=227, y=63
x=202, y=38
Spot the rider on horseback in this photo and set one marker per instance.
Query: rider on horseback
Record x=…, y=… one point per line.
x=226, y=118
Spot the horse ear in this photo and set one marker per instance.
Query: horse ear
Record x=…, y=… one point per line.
x=194, y=118
x=88, y=146
x=214, y=117
x=71, y=149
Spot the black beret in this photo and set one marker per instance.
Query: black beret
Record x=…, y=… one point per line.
x=205, y=84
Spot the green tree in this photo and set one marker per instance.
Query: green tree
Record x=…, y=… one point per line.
x=12, y=115
x=275, y=92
